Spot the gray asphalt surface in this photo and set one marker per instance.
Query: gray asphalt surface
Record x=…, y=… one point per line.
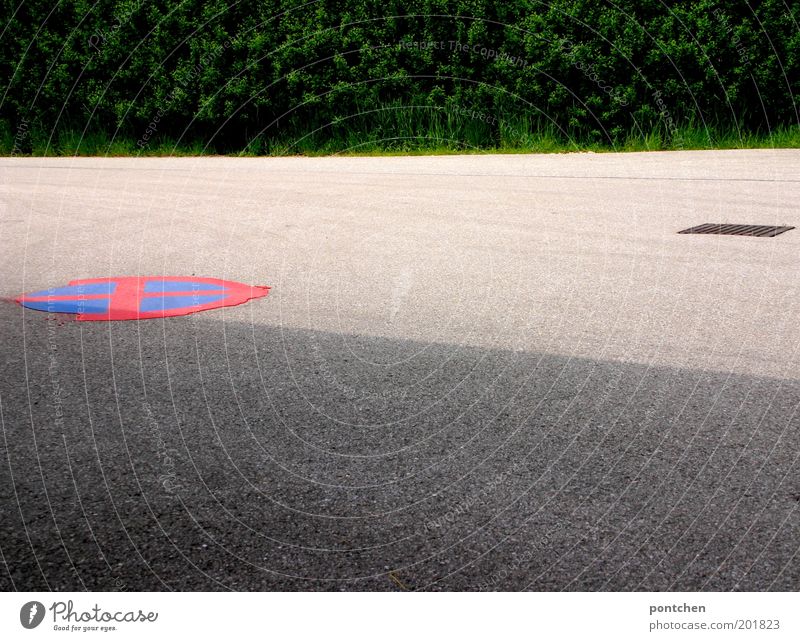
x=472, y=372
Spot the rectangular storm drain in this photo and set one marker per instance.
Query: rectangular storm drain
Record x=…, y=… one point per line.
x=764, y=231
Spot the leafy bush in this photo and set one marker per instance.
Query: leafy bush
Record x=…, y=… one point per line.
x=280, y=76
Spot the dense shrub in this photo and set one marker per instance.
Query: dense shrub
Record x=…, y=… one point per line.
x=288, y=75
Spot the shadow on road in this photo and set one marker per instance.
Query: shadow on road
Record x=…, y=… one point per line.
x=202, y=454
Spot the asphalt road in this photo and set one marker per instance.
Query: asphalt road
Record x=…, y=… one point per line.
x=472, y=372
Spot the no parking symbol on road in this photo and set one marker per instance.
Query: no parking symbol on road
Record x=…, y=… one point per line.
x=140, y=297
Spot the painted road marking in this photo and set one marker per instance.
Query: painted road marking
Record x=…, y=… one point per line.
x=140, y=297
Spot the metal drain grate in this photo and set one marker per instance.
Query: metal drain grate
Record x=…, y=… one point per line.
x=765, y=231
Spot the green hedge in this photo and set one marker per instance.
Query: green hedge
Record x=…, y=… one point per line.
x=286, y=76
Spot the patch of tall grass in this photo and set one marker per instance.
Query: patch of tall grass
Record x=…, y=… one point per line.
x=402, y=129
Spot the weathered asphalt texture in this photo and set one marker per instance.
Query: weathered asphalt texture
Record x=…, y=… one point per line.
x=483, y=372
